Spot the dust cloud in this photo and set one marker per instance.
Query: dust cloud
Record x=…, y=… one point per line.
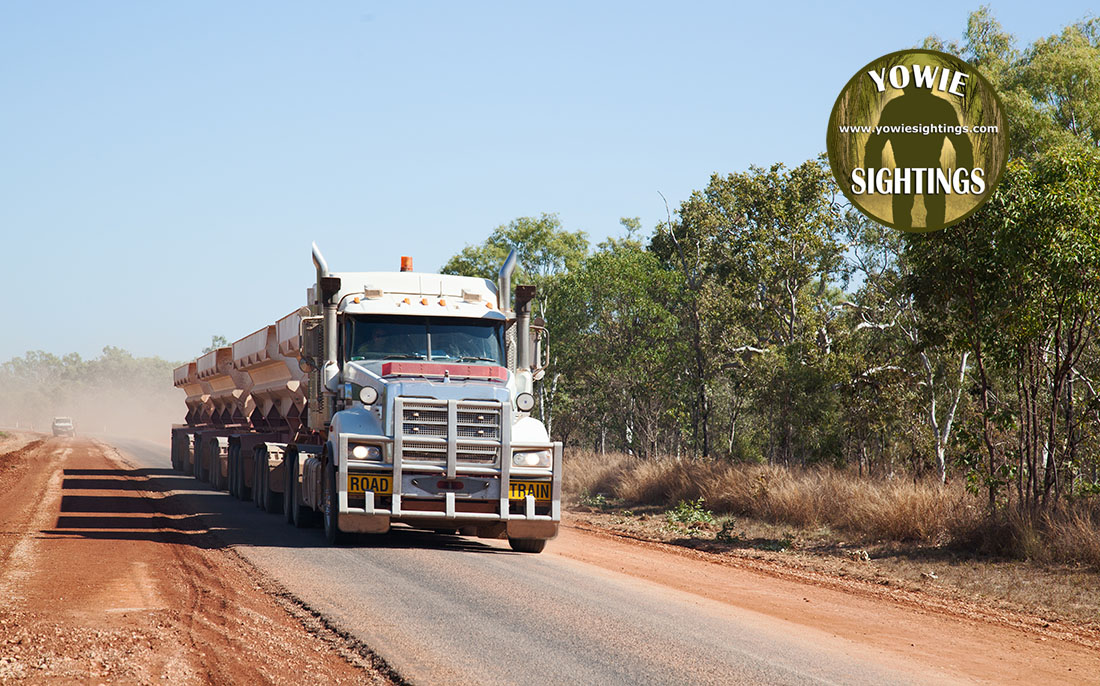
x=109, y=411
x=115, y=394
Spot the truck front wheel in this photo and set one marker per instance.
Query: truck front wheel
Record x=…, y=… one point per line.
x=330, y=508
x=527, y=545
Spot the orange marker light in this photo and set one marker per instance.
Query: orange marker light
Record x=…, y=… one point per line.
x=423, y=301
x=443, y=302
x=407, y=301
x=406, y=263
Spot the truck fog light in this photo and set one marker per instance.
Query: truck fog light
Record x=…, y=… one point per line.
x=366, y=452
x=539, y=458
x=525, y=402
x=368, y=395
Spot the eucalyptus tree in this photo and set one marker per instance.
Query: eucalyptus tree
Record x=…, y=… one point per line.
x=620, y=348
x=1016, y=285
x=902, y=346
x=545, y=252
x=759, y=256
x=1050, y=89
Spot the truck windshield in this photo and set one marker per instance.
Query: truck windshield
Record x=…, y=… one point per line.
x=437, y=339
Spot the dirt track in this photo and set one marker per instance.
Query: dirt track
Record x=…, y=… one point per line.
x=140, y=595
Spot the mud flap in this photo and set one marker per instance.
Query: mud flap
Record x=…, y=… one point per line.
x=521, y=528
x=365, y=524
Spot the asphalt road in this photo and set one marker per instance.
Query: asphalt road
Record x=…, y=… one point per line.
x=447, y=609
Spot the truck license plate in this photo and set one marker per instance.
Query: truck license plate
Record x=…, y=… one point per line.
x=518, y=490
x=378, y=484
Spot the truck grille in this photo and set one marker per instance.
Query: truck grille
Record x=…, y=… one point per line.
x=426, y=431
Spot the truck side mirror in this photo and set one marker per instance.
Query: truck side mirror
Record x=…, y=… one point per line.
x=310, y=333
x=540, y=344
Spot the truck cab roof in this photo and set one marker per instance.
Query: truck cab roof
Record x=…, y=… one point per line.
x=414, y=293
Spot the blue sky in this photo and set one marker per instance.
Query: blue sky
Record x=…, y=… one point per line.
x=165, y=166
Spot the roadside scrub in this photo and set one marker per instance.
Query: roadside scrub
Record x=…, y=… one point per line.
x=894, y=510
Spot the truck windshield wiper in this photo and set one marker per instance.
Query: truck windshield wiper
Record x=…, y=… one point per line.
x=405, y=356
x=476, y=359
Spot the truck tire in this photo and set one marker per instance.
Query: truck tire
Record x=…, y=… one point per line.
x=330, y=507
x=202, y=459
x=290, y=483
x=527, y=545
x=302, y=516
x=196, y=462
x=259, y=454
x=243, y=491
x=261, y=491
x=216, y=478
x=273, y=500
x=231, y=476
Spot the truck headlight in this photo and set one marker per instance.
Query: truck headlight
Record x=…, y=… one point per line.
x=525, y=402
x=366, y=452
x=368, y=395
x=537, y=458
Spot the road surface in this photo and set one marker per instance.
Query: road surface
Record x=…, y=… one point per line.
x=448, y=609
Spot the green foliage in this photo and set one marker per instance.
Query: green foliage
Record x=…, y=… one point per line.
x=597, y=501
x=691, y=513
x=1016, y=284
x=738, y=539
x=618, y=347
x=760, y=258
x=764, y=321
x=1050, y=91
x=544, y=250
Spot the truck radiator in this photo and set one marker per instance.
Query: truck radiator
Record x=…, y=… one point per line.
x=426, y=431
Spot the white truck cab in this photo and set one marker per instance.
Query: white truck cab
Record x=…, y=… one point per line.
x=422, y=385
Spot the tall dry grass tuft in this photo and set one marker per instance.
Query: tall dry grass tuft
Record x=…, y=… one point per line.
x=1069, y=534
x=886, y=509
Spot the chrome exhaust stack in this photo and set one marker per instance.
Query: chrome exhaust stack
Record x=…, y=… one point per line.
x=524, y=296
x=325, y=294
x=504, y=283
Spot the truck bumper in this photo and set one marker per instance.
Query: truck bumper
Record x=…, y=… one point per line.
x=496, y=517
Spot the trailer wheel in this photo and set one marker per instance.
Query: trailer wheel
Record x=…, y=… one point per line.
x=204, y=464
x=330, y=506
x=229, y=470
x=527, y=545
x=196, y=457
x=216, y=479
x=273, y=500
x=290, y=483
x=259, y=454
x=243, y=492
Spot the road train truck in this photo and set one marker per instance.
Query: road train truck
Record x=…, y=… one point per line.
x=391, y=398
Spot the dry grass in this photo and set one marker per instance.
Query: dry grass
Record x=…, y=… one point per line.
x=877, y=509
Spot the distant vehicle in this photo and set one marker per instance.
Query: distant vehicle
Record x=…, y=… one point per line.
x=63, y=426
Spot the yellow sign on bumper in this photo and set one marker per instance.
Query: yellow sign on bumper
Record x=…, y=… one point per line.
x=519, y=490
x=379, y=484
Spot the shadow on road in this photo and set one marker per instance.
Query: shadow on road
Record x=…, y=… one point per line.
x=161, y=505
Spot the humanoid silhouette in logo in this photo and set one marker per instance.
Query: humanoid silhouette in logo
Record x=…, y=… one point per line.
x=920, y=109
